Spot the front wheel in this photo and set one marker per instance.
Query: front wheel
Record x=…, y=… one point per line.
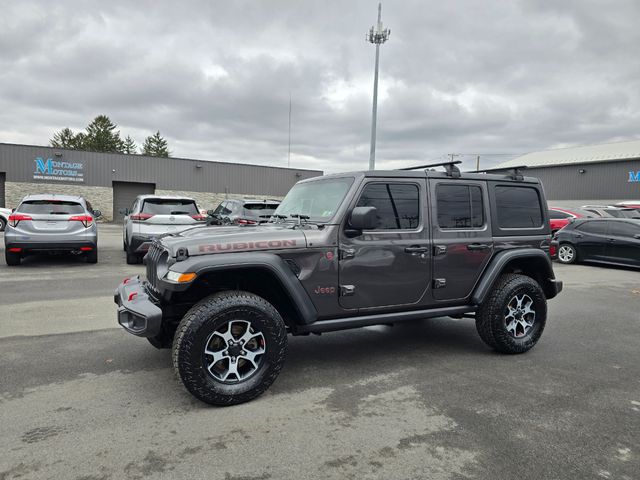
x=512, y=318
x=229, y=348
x=567, y=253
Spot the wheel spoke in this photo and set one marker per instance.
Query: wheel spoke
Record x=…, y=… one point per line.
x=250, y=356
x=232, y=370
x=217, y=356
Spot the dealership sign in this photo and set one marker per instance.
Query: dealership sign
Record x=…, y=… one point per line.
x=634, y=176
x=58, y=170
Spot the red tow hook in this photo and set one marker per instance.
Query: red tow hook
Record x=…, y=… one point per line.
x=133, y=295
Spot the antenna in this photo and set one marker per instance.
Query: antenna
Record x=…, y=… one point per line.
x=377, y=35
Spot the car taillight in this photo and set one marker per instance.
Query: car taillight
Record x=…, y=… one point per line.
x=244, y=221
x=552, y=249
x=16, y=218
x=140, y=216
x=86, y=220
x=199, y=217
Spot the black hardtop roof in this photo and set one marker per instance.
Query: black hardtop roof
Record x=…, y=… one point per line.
x=426, y=174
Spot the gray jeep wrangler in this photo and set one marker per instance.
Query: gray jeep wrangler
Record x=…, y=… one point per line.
x=344, y=251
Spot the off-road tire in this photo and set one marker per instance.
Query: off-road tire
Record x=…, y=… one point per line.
x=92, y=256
x=12, y=258
x=574, y=256
x=206, y=317
x=490, y=317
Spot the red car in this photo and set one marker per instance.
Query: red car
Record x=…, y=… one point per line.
x=560, y=217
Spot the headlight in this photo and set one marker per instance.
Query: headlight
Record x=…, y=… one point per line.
x=178, y=277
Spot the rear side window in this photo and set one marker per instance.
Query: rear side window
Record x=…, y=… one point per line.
x=51, y=207
x=459, y=206
x=159, y=206
x=518, y=207
x=398, y=205
x=623, y=229
x=557, y=215
x=597, y=228
x=260, y=206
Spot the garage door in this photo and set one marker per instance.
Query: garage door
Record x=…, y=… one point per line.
x=124, y=193
x=3, y=177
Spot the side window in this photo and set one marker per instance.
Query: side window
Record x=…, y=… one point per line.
x=597, y=227
x=557, y=215
x=518, y=207
x=459, y=206
x=623, y=229
x=398, y=204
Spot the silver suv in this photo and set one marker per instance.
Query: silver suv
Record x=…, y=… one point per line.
x=151, y=216
x=51, y=223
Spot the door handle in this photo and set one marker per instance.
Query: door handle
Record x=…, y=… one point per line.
x=416, y=249
x=578, y=235
x=611, y=240
x=478, y=246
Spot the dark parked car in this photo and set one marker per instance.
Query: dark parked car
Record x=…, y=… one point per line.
x=614, y=241
x=242, y=212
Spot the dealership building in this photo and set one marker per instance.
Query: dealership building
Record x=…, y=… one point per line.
x=111, y=181
x=595, y=174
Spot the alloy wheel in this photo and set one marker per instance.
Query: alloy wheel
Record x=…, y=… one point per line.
x=520, y=315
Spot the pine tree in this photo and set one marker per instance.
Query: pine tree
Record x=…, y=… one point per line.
x=102, y=136
x=65, y=138
x=129, y=145
x=156, y=146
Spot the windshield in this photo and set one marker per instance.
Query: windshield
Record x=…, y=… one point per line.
x=318, y=199
x=51, y=207
x=161, y=206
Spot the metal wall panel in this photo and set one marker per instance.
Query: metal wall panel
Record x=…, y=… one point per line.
x=2, y=179
x=606, y=180
x=102, y=169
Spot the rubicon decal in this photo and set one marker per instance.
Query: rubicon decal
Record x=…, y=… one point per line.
x=239, y=246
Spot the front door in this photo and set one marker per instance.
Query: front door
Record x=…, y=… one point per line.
x=462, y=240
x=591, y=240
x=389, y=265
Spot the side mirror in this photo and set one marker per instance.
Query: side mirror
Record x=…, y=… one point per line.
x=97, y=213
x=13, y=210
x=362, y=218
x=637, y=235
x=210, y=212
x=124, y=211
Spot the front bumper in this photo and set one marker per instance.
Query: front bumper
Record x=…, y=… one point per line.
x=137, y=312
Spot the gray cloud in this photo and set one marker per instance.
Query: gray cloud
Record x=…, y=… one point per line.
x=215, y=77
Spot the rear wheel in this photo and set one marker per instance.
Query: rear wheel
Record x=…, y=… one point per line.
x=92, y=256
x=132, y=258
x=567, y=253
x=229, y=348
x=3, y=224
x=513, y=317
x=12, y=258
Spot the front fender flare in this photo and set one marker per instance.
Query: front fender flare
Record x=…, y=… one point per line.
x=202, y=264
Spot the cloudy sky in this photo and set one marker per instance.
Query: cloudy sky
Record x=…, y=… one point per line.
x=468, y=76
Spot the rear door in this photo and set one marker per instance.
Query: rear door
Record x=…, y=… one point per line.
x=623, y=243
x=462, y=240
x=158, y=216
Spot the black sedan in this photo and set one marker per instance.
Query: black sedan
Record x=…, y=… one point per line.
x=614, y=241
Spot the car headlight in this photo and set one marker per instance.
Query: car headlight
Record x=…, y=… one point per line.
x=178, y=277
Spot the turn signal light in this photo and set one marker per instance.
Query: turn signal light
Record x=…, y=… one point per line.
x=86, y=220
x=16, y=218
x=178, y=277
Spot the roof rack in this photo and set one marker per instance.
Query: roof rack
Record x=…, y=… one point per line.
x=450, y=167
x=512, y=172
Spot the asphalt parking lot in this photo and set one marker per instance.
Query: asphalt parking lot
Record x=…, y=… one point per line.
x=80, y=398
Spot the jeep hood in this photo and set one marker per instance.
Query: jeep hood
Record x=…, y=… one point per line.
x=210, y=240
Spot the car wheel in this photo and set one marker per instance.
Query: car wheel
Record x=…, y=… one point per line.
x=92, y=256
x=229, y=348
x=513, y=317
x=567, y=253
x=3, y=224
x=12, y=258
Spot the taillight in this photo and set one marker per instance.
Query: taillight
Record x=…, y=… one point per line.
x=16, y=218
x=552, y=249
x=244, y=221
x=199, y=217
x=86, y=220
x=141, y=216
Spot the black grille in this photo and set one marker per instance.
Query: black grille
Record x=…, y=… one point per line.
x=153, y=255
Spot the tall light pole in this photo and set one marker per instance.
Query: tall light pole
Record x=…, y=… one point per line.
x=377, y=36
